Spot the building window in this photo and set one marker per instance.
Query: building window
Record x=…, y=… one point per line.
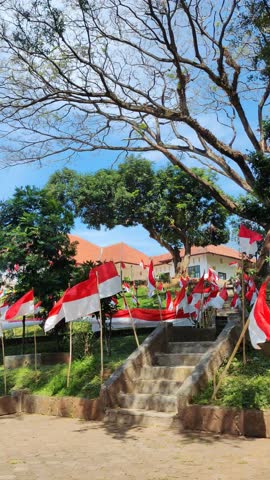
x=222, y=275
x=194, y=271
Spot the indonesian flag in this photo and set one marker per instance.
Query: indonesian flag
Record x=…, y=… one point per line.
x=37, y=307
x=142, y=265
x=160, y=287
x=248, y=240
x=4, y=307
x=252, y=293
x=169, y=302
x=123, y=265
x=23, y=306
x=126, y=287
x=219, y=300
x=81, y=300
x=183, y=282
x=236, y=302
x=198, y=291
x=259, y=319
x=180, y=300
x=56, y=314
x=151, y=284
x=211, y=276
x=235, y=264
x=109, y=282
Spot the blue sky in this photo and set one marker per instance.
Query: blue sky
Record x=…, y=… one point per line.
x=34, y=174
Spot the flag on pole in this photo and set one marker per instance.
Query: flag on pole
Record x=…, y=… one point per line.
x=142, y=265
x=56, y=314
x=236, y=302
x=259, y=319
x=151, y=280
x=169, y=302
x=218, y=300
x=126, y=287
x=248, y=240
x=109, y=282
x=180, y=300
x=81, y=300
x=23, y=306
x=211, y=276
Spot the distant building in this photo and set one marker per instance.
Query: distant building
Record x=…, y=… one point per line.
x=218, y=258
x=128, y=259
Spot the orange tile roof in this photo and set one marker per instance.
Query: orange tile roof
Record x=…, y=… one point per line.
x=119, y=252
x=86, y=251
x=221, y=250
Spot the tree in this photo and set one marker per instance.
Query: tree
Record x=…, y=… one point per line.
x=166, y=202
x=163, y=76
x=34, y=244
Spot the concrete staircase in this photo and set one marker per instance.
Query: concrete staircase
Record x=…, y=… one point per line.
x=153, y=398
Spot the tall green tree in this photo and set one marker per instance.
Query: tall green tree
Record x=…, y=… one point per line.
x=184, y=79
x=34, y=243
x=166, y=202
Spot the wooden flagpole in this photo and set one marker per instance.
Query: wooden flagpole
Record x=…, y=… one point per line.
x=244, y=329
x=132, y=321
x=243, y=310
x=4, y=361
x=101, y=335
x=70, y=354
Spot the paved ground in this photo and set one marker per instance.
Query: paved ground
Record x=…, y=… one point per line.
x=37, y=447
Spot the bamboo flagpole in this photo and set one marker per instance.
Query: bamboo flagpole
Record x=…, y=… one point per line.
x=3, y=356
x=101, y=336
x=243, y=310
x=131, y=320
x=70, y=354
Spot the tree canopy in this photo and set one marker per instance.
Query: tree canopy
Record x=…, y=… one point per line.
x=35, y=247
x=185, y=79
x=166, y=202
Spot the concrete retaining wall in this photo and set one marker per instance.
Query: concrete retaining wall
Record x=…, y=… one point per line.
x=22, y=402
x=232, y=421
x=16, y=361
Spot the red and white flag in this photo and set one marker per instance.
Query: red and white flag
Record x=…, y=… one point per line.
x=248, y=240
x=180, y=300
x=211, y=276
x=218, y=300
x=151, y=284
x=142, y=265
x=56, y=314
x=81, y=300
x=252, y=292
x=169, y=302
x=183, y=282
x=259, y=319
x=126, y=287
x=109, y=282
x=236, y=301
x=23, y=306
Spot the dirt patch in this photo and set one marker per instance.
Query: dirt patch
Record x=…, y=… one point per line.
x=41, y=448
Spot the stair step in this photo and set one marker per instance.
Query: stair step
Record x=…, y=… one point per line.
x=129, y=417
x=189, y=347
x=160, y=403
x=179, y=373
x=191, y=334
x=164, y=387
x=174, y=359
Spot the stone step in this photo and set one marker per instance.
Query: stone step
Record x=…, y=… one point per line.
x=144, y=418
x=165, y=387
x=144, y=401
x=179, y=373
x=189, y=347
x=175, y=359
x=193, y=334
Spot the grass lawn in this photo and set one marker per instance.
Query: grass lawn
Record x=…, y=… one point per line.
x=85, y=372
x=244, y=386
